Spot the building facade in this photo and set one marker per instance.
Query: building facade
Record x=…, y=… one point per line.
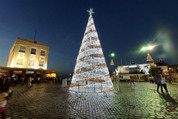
x=135, y=69
x=27, y=53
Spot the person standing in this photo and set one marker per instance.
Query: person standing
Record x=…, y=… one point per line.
x=29, y=82
x=38, y=80
x=151, y=79
x=163, y=84
x=132, y=81
x=158, y=80
x=9, y=80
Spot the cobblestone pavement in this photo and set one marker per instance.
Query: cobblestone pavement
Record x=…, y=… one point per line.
x=51, y=101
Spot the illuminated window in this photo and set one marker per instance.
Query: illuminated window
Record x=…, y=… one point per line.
x=32, y=60
x=22, y=49
x=42, y=53
x=33, y=51
x=20, y=59
x=41, y=62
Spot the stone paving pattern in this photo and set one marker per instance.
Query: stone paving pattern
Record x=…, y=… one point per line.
x=51, y=101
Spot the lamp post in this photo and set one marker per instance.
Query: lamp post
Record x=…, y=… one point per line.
x=112, y=55
x=149, y=58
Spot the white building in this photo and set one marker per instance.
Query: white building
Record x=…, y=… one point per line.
x=136, y=68
x=27, y=53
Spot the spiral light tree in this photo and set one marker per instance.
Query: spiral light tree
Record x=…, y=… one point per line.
x=91, y=73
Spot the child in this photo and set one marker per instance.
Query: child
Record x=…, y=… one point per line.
x=132, y=80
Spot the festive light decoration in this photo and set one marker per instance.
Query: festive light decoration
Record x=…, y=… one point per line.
x=91, y=73
x=112, y=63
x=149, y=58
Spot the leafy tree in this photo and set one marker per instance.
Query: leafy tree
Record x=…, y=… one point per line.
x=155, y=71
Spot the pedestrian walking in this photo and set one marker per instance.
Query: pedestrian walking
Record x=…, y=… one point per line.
x=38, y=80
x=132, y=81
x=158, y=80
x=22, y=80
x=15, y=81
x=5, y=93
x=163, y=84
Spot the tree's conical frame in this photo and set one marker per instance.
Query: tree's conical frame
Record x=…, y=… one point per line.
x=91, y=73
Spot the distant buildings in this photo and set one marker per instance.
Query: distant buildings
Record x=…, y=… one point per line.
x=173, y=68
x=141, y=70
x=163, y=66
x=27, y=53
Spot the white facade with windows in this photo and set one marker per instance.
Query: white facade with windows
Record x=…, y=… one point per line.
x=144, y=68
x=27, y=53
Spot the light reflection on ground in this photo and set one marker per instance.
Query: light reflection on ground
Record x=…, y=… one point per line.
x=50, y=100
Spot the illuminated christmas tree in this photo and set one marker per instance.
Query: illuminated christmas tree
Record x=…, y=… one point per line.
x=91, y=73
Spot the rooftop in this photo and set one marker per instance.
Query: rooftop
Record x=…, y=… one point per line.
x=30, y=41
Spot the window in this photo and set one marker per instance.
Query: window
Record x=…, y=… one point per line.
x=41, y=62
x=32, y=60
x=42, y=53
x=33, y=51
x=20, y=59
x=22, y=49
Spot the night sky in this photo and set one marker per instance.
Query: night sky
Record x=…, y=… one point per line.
x=123, y=27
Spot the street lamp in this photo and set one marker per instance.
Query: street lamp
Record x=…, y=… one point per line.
x=143, y=49
x=112, y=55
x=150, y=47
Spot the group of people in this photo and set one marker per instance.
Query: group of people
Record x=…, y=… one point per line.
x=168, y=78
x=22, y=80
x=161, y=82
x=5, y=94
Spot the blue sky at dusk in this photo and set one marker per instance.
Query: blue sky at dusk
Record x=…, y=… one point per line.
x=123, y=27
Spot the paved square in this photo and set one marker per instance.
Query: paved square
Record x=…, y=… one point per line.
x=51, y=101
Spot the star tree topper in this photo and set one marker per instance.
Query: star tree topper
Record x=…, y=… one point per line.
x=90, y=11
